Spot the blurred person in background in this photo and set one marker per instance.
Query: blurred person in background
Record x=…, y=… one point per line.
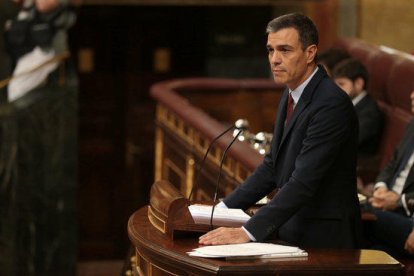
x=352, y=76
x=36, y=36
x=8, y=10
x=331, y=57
x=393, y=199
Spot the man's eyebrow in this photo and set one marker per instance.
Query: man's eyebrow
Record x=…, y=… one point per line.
x=284, y=46
x=279, y=46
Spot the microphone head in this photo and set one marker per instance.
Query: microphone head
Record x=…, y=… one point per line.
x=260, y=137
x=263, y=137
x=262, y=141
x=242, y=124
x=242, y=136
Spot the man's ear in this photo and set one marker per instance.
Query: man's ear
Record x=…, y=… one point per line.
x=359, y=84
x=311, y=53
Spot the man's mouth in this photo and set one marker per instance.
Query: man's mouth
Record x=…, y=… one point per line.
x=277, y=70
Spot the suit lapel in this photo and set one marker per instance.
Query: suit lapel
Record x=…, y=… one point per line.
x=281, y=131
x=304, y=101
x=280, y=125
x=410, y=177
x=410, y=180
x=362, y=103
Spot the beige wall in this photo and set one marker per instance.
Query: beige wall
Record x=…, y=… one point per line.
x=387, y=22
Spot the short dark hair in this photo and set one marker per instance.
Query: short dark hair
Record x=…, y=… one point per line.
x=308, y=34
x=352, y=69
x=332, y=57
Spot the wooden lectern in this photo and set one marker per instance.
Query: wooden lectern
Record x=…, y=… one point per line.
x=157, y=254
x=168, y=212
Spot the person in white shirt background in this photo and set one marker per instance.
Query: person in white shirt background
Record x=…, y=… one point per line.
x=393, y=200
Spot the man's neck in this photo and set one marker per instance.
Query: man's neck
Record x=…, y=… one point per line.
x=309, y=71
x=306, y=77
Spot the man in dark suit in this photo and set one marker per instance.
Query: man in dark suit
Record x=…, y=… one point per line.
x=352, y=76
x=393, y=198
x=312, y=160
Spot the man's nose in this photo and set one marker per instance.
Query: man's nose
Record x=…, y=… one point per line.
x=275, y=58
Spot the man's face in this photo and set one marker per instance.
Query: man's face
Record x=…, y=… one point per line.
x=347, y=85
x=352, y=88
x=288, y=61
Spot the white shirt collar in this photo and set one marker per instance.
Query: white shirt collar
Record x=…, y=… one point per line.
x=358, y=98
x=297, y=92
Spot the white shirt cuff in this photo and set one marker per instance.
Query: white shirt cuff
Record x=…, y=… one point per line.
x=380, y=184
x=248, y=234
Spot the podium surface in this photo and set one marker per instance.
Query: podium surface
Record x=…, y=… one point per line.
x=157, y=254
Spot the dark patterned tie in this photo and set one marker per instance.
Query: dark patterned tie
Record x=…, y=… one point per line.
x=289, y=111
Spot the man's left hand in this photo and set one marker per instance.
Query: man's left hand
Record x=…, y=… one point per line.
x=387, y=201
x=224, y=235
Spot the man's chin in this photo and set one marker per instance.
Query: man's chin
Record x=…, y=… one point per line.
x=279, y=80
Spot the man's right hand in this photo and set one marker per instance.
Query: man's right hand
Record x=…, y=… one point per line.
x=377, y=199
x=224, y=235
x=384, y=199
x=380, y=192
x=380, y=197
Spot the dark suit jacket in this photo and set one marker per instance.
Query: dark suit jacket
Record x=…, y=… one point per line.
x=313, y=163
x=370, y=125
x=388, y=173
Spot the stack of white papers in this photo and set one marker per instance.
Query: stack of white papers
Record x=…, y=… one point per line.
x=202, y=214
x=246, y=250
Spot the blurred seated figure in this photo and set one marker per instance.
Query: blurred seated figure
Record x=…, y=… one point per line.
x=393, y=199
x=352, y=76
x=331, y=57
x=8, y=10
x=40, y=23
x=35, y=37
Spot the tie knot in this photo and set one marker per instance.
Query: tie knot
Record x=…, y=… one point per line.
x=290, y=99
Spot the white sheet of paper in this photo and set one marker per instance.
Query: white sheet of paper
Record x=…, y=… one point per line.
x=204, y=211
x=248, y=249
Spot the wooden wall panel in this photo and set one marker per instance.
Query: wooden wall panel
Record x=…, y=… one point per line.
x=388, y=23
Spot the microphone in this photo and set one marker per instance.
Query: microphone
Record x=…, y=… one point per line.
x=239, y=124
x=204, y=159
x=244, y=125
x=240, y=130
x=262, y=141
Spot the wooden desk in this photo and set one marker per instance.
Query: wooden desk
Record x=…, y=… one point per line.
x=158, y=255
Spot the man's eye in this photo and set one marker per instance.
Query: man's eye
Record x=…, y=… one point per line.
x=269, y=50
